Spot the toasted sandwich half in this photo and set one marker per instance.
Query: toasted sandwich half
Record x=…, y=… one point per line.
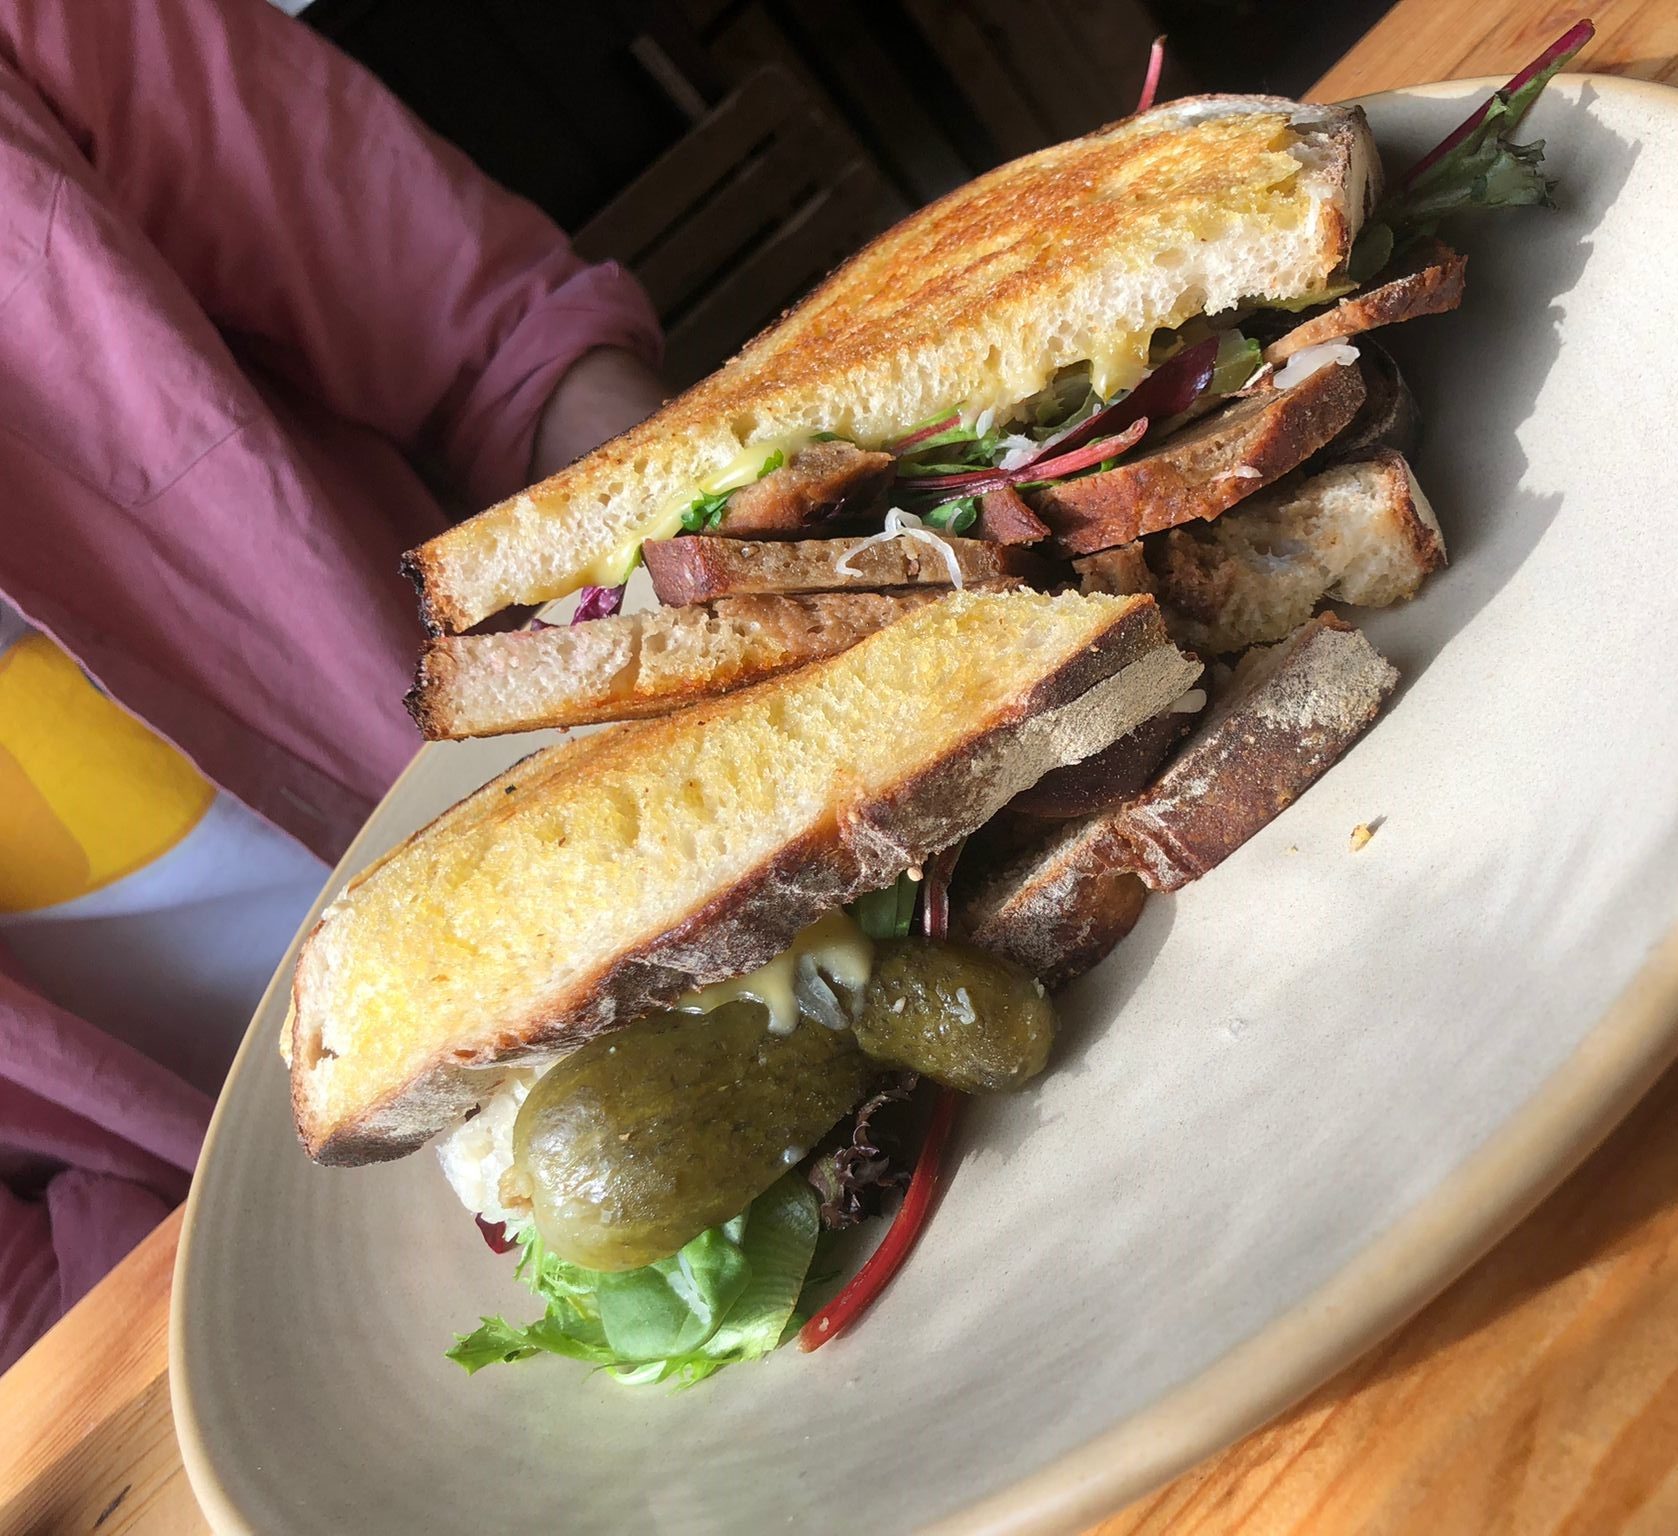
x=1080, y=254
x=599, y=880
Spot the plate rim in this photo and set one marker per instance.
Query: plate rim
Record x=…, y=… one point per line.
x=1381, y=1288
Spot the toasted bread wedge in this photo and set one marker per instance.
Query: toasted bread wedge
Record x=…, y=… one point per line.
x=1429, y=282
x=1080, y=251
x=1204, y=469
x=701, y=570
x=1288, y=713
x=824, y=483
x=589, y=885
x=1063, y=915
x=1361, y=532
x=634, y=666
x=1103, y=781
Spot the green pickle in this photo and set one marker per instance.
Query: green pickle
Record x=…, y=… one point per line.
x=638, y=1141
x=964, y=1018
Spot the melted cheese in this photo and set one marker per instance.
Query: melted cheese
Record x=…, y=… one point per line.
x=614, y=569
x=747, y=464
x=745, y=467
x=1120, y=365
x=834, y=944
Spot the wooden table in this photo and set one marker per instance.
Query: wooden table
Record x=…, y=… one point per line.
x=1538, y=1395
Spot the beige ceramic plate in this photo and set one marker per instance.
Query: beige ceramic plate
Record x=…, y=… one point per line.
x=1302, y=1096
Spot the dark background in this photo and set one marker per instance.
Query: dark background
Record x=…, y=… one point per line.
x=730, y=152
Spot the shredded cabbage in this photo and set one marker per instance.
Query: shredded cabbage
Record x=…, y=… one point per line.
x=903, y=525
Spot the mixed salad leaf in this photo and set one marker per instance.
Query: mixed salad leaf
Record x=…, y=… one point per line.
x=1066, y=430
x=707, y=509
x=731, y=1294
x=888, y=912
x=860, y=1168
x=1477, y=165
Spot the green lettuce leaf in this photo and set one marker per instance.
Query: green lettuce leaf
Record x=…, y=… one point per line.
x=729, y=1295
x=954, y=516
x=1315, y=299
x=888, y=912
x=954, y=452
x=1486, y=170
x=1237, y=360
x=706, y=511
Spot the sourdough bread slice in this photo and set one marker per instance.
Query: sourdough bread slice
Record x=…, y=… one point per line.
x=1428, y=282
x=1288, y=712
x=633, y=666
x=586, y=887
x=1361, y=532
x=701, y=570
x=1206, y=468
x=1078, y=252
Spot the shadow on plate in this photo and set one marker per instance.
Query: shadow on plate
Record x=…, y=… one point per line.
x=1477, y=375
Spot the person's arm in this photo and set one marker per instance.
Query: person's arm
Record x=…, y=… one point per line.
x=341, y=243
x=603, y=393
x=55, y=1247
x=97, y=1143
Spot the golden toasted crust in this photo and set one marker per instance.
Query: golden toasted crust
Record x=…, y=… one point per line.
x=635, y=666
x=700, y=570
x=1077, y=252
x=594, y=883
x=1429, y=283
x=1206, y=468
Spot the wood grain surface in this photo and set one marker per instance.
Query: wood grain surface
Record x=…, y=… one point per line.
x=1537, y=1397
x=1422, y=40
x=86, y=1441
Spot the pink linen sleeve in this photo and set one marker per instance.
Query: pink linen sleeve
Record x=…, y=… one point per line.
x=55, y=1249
x=332, y=235
x=29, y=1295
x=97, y=1143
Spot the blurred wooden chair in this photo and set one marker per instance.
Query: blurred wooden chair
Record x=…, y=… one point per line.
x=762, y=196
x=1046, y=70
